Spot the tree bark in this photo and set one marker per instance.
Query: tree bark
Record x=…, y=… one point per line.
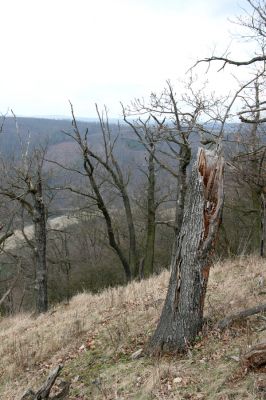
x=150, y=238
x=263, y=225
x=184, y=161
x=182, y=316
x=133, y=263
x=39, y=220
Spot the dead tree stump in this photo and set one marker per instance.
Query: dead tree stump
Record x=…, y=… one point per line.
x=182, y=316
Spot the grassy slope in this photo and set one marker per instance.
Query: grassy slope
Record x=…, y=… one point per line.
x=95, y=335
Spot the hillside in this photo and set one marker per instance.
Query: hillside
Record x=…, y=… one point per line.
x=94, y=337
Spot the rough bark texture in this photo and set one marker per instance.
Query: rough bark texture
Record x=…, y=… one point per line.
x=263, y=225
x=184, y=161
x=39, y=219
x=182, y=316
x=150, y=238
x=133, y=263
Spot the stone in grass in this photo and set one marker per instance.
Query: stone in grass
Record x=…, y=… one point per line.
x=138, y=354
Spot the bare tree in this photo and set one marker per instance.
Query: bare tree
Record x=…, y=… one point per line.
x=22, y=182
x=248, y=163
x=182, y=315
x=149, y=136
x=102, y=170
x=167, y=135
x=254, y=21
x=253, y=108
x=199, y=209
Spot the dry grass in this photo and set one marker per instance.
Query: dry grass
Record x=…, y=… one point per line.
x=95, y=335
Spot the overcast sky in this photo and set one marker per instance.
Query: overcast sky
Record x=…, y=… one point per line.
x=104, y=51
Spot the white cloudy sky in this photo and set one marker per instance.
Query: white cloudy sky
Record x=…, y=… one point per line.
x=104, y=51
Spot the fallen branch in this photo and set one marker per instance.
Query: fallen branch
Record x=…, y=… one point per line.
x=255, y=357
x=44, y=391
x=228, y=321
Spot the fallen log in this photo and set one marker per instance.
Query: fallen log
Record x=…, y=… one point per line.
x=228, y=321
x=44, y=391
x=255, y=357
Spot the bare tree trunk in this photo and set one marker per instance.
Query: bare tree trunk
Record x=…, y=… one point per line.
x=263, y=225
x=150, y=230
x=182, y=316
x=120, y=183
x=67, y=265
x=133, y=263
x=117, y=177
x=39, y=219
x=184, y=161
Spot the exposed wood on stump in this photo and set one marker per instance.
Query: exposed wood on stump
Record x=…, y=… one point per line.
x=44, y=391
x=228, y=321
x=182, y=316
x=255, y=357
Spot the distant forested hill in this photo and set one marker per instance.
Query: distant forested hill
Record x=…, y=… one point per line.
x=40, y=130
x=50, y=132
